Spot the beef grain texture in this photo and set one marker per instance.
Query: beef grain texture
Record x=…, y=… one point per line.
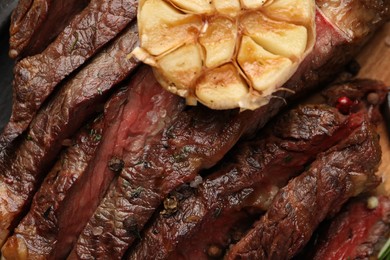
x=132, y=116
x=256, y=169
x=259, y=168
x=342, y=172
x=22, y=170
x=36, y=234
x=35, y=23
x=356, y=233
x=37, y=76
x=201, y=139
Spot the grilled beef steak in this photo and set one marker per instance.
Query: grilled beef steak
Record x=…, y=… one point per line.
x=132, y=116
x=36, y=234
x=199, y=139
x=150, y=145
x=37, y=76
x=24, y=167
x=253, y=174
x=358, y=232
x=259, y=166
x=34, y=24
x=344, y=171
x=144, y=109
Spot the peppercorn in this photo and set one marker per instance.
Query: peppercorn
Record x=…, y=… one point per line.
x=214, y=251
x=344, y=105
x=116, y=164
x=373, y=98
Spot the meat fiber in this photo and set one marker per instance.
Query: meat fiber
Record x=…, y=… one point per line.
x=197, y=140
x=139, y=113
x=35, y=23
x=255, y=171
x=344, y=171
x=35, y=236
x=131, y=117
x=25, y=166
x=252, y=175
x=358, y=232
x=37, y=76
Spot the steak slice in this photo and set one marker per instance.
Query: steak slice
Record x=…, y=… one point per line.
x=251, y=176
x=24, y=168
x=201, y=138
x=358, y=232
x=37, y=76
x=257, y=169
x=34, y=24
x=139, y=113
x=343, y=171
x=36, y=234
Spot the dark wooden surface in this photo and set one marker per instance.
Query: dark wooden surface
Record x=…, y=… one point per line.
x=6, y=64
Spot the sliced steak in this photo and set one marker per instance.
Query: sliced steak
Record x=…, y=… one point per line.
x=256, y=167
x=34, y=24
x=197, y=140
x=358, y=232
x=256, y=170
x=35, y=236
x=132, y=116
x=343, y=171
x=23, y=169
x=37, y=76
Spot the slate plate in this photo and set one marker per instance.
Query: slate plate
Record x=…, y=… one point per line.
x=6, y=64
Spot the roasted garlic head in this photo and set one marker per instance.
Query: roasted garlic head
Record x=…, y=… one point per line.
x=225, y=53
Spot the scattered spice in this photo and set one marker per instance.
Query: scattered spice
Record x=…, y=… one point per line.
x=170, y=206
x=147, y=165
x=183, y=154
x=192, y=219
x=217, y=212
x=373, y=98
x=344, y=105
x=116, y=164
x=97, y=231
x=92, y=132
x=196, y=182
x=73, y=46
x=372, y=202
x=130, y=224
x=288, y=158
x=29, y=138
x=137, y=192
x=97, y=137
x=47, y=212
x=169, y=132
x=214, y=251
